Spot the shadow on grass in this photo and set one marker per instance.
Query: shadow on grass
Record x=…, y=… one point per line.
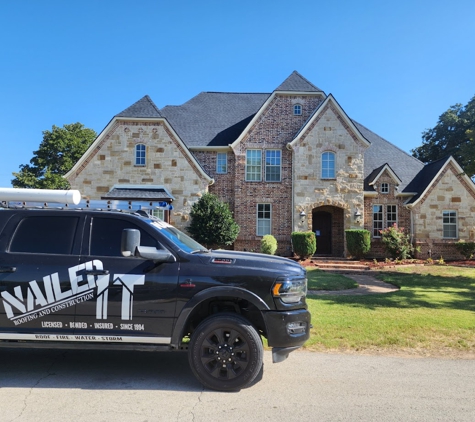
x=416, y=291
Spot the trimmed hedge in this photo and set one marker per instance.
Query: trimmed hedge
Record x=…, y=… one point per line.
x=358, y=242
x=304, y=244
x=268, y=244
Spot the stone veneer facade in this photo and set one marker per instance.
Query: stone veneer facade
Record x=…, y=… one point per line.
x=188, y=173
x=167, y=164
x=449, y=192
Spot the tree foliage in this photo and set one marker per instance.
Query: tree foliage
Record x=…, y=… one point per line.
x=454, y=134
x=60, y=149
x=212, y=222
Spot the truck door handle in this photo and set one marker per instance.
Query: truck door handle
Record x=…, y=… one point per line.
x=96, y=272
x=7, y=269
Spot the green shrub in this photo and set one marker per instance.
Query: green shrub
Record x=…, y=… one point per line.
x=397, y=242
x=212, y=223
x=467, y=249
x=358, y=242
x=304, y=244
x=268, y=244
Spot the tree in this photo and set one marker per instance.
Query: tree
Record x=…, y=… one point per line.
x=453, y=135
x=212, y=223
x=60, y=149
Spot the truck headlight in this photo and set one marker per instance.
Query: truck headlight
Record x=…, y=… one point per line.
x=290, y=290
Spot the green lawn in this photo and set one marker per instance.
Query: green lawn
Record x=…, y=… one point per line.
x=321, y=280
x=433, y=313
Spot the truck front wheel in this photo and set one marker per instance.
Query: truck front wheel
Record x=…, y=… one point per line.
x=225, y=352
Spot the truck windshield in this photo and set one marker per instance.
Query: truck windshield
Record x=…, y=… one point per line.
x=180, y=239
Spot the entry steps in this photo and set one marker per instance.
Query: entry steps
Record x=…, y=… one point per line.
x=340, y=265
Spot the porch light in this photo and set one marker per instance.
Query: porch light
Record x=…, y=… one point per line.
x=358, y=216
x=302, y=216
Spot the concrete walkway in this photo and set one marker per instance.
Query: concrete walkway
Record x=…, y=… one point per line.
x=367, y=285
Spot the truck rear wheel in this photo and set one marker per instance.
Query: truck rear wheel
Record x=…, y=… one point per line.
x=225, y=352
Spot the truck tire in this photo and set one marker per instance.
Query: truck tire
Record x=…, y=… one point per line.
x=225, y=352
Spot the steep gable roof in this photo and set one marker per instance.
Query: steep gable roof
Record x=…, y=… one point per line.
x=376, y=174
x=383, y=152
x=143, y=108
x=329, y=101
x=296, y=82
x=425, y=177
x=213, y=118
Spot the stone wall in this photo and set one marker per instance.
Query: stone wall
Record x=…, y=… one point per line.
x=450, y=192
x=167, y=164
x=328, y=133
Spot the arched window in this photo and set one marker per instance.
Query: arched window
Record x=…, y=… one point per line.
x=297, y=109
x=328, y=165
x=140, y=155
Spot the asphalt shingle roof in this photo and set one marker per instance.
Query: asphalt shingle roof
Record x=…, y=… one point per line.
x=424, y=178
x=383, y=152
x=138, y=194
x=144, y=107
x=296, y=82
x=213, y=118
x=219, y=118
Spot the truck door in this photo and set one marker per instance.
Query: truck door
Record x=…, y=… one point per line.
x=134, y=298
x=37, y=249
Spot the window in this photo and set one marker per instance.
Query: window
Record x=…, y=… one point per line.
x=273, y=165
x=377, y=220
x=263, y=219
x=449, y=224
x=222, y=162
x=140, y=155
x=106, y=236
x=45, y=234
x=297, y=109
x=384, y=187
x=383, y=216
x=391, y=215
x=328, y=165
x=253, y=165
x=159, y=213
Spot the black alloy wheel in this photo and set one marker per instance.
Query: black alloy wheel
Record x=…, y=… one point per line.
x=226, y=352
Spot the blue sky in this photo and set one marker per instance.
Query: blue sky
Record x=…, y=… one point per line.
x=392, y=66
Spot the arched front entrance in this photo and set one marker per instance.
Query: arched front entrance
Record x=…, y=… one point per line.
x=328, y=226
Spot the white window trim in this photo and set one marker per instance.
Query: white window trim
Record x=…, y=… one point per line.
x=334, y=165
x=450, y=224
x=280, y=166
x=145, y=155
x=397, y=215
x=217, y=163
x=299, y=108
x=373, y=220
x=263, y=219
x=246, y=167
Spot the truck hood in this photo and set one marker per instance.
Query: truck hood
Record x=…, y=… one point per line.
x=258, y=261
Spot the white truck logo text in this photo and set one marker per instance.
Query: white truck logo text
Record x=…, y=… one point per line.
x=38, y=303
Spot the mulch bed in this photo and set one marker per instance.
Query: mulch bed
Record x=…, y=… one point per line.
x=389, y=264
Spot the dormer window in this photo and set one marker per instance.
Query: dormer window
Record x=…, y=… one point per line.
x=384, y=187
x=297, y=110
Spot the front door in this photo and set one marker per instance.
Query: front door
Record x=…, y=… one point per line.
x=322, y=227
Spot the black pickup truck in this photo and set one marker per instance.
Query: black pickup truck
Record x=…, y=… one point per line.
x=122, y=280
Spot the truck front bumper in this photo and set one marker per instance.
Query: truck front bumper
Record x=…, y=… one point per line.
x=286, y=331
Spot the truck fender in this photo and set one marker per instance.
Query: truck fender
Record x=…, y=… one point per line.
x=212, y=292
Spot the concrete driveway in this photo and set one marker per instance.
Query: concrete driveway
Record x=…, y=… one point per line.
x=45, y=385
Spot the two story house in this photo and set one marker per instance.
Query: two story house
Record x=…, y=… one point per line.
x=289, y=160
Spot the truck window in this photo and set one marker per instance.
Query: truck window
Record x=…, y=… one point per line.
x=106, y=235
x=45, y=234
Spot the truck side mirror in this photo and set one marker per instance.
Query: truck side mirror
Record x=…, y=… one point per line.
x=130, y=241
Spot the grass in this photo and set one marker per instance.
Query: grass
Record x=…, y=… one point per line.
x=321, y=280
x=433, y=313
